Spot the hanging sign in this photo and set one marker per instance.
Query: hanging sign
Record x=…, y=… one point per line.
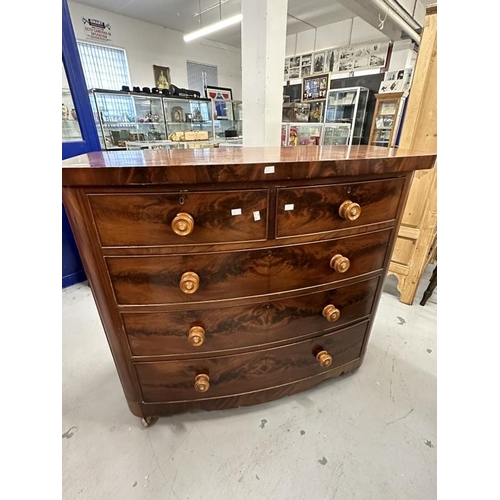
x=96, y=30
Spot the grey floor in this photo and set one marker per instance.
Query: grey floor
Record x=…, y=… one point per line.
x=368, y=435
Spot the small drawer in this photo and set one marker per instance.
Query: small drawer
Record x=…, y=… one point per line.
x=156, y=219
x=163, y=279
x=206, y=330
x=191, y=379
x=326, y=208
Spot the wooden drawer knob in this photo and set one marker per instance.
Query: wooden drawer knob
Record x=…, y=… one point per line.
x=324, y=359
x=196, y=336
x=202, y=383
x=331, y=313
x=349, y=210
x=189, y=282
x=183, y=224
x=340, y=263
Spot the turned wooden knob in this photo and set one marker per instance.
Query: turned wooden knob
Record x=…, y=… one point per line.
x=189, y=282
x=331, y=313
x=324, y=359
x=349, y=210
x=340, y=263
x=183, y=224
x=202, y=382
x=196, y=335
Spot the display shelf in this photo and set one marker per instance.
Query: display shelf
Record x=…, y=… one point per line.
x=301, y=134
x=70, y=127
x=346, y=107
x=127, y=116
x=386, y=119
x=227, y=118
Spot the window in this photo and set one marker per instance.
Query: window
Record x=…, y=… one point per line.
x=104, y=67
x=200, y=75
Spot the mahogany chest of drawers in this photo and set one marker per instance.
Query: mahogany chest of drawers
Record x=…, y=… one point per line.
x=229, y=277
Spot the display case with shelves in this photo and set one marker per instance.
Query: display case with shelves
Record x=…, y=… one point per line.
x=301, y=134
x=345, y=115
x=70, y=127
x=123, y=117
x=228, y=119
x=387, y=119
x=190, y=115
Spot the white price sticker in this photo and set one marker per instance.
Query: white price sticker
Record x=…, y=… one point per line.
x=269, y=169
x=236, y=211
x=256, y=216
x=290, y=206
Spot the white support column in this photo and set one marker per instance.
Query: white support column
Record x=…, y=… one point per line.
x=263, y=42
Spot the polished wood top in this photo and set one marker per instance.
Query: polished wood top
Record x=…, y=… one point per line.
x=237, y=164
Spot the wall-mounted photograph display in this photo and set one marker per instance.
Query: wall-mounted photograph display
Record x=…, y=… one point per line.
x=293, y=67
x=350, y=58
x=319, y=62
x=315, y=88
x=305, y=71
x=306, y=59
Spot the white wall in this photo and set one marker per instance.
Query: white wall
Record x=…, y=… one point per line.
x=346, y=32
x=147, y=44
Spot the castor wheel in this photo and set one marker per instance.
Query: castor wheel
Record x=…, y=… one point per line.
x=148, y=421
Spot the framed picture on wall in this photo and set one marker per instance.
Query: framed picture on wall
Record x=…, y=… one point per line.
x=315, y=88
x=162, y=77
x=220, y=95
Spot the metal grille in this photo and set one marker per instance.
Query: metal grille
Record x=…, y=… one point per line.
x=200, y=74
x=104, y=67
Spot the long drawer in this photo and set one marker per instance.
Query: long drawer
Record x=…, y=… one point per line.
x=158, y=279
x=228, y=375
x=193, y=331
x=318, y=209
x=145, y=219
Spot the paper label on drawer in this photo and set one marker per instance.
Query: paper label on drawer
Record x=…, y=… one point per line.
x=236, y=211
x=256, y=216
x=269, y=169
x=289, y=206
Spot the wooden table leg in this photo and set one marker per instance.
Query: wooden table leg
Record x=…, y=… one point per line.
x=430, y=288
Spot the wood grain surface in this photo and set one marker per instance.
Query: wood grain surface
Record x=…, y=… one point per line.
x=155, y=279
x=144, y=219
x=174, y=380
x=233, y=327
x=222, y=165
x=316, y=209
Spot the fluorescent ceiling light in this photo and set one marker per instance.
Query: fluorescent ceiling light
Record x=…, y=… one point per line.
x=224, y=23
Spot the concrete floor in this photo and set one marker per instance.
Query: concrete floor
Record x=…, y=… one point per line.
x=367, y=435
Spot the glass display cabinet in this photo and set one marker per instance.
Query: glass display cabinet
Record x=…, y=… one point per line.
x=123, y=117
x=387, y=119
x=345, y=116
x=228, y=119
x=188, y=119
x=301, y=134
x=70, y=127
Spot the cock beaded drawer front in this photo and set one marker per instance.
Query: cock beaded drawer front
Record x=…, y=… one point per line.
x=196, y=330
x=195, y=277
x=229, y=278
x=185, y=218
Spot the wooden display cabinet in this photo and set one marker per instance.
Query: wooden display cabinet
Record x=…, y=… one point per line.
x=387, y=119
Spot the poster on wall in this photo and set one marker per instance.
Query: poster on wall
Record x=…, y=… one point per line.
x=396, y=81
x=315, y=88
x=96, y=30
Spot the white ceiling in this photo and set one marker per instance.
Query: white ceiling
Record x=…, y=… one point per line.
x=181, y=15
